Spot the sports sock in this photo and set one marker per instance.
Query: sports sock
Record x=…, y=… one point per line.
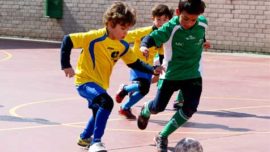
x=180, y=96
x=132, y=87
x=88, y=131
x=176, y=121
x=100, y=125
x=146, y=112
x=133, y=99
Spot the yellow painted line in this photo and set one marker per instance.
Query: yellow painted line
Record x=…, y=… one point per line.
x=13, y=110
x=27, y=127
x=7, y=56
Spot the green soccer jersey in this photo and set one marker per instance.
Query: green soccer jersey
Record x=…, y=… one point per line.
x=182, y=48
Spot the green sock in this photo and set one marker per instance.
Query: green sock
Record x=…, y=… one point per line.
x=180, y=96
x=146, y=112
x=176, y=121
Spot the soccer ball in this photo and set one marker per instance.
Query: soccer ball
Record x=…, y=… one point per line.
x=188, y=145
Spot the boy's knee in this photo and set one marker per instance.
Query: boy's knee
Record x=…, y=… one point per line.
x=189, y=111
x=105, y=101
x=157, y=110
x=144, y=88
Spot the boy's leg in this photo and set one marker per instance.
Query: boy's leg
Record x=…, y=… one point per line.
x=125, y=108
x=124, y=90
x=85, y=137
x=102, y=104
x=178, y=103
x=192, y=91
x=164, y=93
x=143, y=89
x=105, y=103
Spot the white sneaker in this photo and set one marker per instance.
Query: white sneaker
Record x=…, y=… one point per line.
x=97, y=147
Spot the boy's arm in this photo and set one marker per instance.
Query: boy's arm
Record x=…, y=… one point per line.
x=148, y=42
x=144, y=67
x=66, y=47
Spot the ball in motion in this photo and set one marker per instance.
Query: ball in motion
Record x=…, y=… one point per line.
x=188, y=145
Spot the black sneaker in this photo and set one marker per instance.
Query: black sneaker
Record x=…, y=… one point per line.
x=142, y=120
x=161, y=143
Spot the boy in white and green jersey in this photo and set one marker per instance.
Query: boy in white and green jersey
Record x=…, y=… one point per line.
x=182, y=38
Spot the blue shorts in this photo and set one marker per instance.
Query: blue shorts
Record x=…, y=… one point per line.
x=135, y=74
x=90, y=91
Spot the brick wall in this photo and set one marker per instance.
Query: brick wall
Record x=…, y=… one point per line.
x=234, y=25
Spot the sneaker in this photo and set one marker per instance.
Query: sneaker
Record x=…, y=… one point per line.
x=161, y=143
x=178, y=104
x=97, y=147
x=127, y=114
x=142, y=120
x=84, y=142
x=121, y=93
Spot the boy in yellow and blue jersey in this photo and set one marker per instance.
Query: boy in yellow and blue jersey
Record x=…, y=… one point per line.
x=101, y=49
x=141, y=81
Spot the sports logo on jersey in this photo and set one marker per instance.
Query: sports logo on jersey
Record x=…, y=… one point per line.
x=114, y=55
x=190, y=37
x=179, y=44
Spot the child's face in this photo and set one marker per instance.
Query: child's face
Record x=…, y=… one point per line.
x=187, y=20
x=158, y=21
x=118, y=32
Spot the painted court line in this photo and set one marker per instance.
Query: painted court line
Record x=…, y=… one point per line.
x=7, y=56
x=13, y=112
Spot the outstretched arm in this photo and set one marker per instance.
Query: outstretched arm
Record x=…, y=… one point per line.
x=141, y=66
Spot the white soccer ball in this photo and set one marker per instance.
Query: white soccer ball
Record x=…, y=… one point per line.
x=188, y=145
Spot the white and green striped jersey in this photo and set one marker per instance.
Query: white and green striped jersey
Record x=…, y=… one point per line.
x=182, y=48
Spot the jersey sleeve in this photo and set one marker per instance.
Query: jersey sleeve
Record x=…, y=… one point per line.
x=203, y=21
x=78, y=39
x=137, y=34
x=162, y=35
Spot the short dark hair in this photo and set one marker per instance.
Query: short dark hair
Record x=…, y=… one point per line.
x=192, y=6
x=161, y=9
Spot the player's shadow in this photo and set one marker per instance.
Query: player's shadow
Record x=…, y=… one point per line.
x=202, y=125
x=34, y=120
x=225, y=113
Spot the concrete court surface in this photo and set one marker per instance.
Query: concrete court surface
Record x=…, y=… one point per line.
x=40, y=110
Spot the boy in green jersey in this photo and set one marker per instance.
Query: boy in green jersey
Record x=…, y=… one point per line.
x=182, y=38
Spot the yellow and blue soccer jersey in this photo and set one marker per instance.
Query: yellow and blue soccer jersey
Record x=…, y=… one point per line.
x=99, y=55
x=135, y=37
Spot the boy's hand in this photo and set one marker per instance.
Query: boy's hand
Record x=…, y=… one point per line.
x=145, y=51
x=155, y=79
x=69, y=72
x=206, y=45
x=158, y=70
